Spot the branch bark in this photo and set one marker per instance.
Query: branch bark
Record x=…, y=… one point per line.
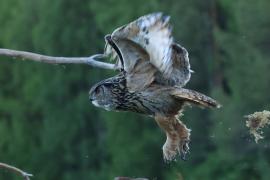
x=57, y=60
x=20, y=172
x=128, y=178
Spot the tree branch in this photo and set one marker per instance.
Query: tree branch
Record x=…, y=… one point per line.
x=25, y=175
x=57, y=60
x=128, y=178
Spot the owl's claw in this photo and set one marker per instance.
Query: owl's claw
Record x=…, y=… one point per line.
x=184, y=150
x=181, y=150
x=178, y=138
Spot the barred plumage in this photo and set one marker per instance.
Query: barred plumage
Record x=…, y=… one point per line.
x=154, y=70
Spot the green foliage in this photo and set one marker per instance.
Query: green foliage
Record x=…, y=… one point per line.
x=48, y=127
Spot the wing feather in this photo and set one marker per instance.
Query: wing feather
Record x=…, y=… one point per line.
x=152, y=33
x=139, y=71
x=195, y=97
x=181, y=72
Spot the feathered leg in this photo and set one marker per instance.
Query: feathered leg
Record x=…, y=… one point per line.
x=178, y=137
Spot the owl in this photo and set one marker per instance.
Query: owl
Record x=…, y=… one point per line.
x=153, y=70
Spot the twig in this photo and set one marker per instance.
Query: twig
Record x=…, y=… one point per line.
x=57, y=60
x=128, y=178
x=25, y=175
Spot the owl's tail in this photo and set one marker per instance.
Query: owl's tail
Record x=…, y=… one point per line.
x=195, y=97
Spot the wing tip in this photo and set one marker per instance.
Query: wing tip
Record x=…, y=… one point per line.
x=156, y=17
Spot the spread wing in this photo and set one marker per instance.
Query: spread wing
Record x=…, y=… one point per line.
x=152, y=35
x=181, y=71
x=194, y=97
x=135, y=62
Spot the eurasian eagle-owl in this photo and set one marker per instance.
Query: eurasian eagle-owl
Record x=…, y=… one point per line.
x=153, y=71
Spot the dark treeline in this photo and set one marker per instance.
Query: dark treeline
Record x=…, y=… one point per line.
x=49, y=128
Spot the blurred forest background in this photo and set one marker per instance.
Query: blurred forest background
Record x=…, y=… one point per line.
x=49, y=128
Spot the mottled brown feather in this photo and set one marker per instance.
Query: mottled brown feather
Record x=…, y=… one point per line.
x=194, y=97
x=139, y=71
x=153, y=71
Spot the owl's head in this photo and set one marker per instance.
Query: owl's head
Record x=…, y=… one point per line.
x=105, y=94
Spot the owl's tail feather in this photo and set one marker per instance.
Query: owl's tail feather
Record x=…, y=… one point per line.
x=195, y=97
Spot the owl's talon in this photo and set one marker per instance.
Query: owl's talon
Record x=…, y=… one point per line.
x=185, y=146
x=183, y=157
x=184, y=150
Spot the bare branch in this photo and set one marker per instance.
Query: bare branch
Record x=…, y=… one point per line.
x=128, y=178
x=57, y=60
x=25, y=175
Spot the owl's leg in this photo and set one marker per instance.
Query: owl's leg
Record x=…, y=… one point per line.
x=178, y=137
